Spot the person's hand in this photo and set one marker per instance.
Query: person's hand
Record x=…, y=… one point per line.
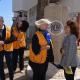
x=62, y=51
x=45, y=47
x=1, y=42
x=48, y=47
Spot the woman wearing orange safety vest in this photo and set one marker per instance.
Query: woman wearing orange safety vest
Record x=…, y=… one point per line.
x=20, y=44
x=40, y=50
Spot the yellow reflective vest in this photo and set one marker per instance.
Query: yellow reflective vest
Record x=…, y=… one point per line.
x=41, y=57
x=21, y=39
x=20, y=42
x=7, y=47
x=15, y=33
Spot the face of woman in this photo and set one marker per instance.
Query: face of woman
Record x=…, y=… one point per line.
x=44, y=27
x=67, y=30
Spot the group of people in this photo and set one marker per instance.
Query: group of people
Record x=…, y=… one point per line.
x=12, y=45
x=41, y=50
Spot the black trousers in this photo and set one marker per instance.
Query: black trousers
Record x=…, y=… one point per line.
x=39, y=70
x=8, y=57
x=70, y=76
x=18, y=54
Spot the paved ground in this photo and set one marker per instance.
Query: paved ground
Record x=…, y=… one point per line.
x=55, y=74
x=52, y=73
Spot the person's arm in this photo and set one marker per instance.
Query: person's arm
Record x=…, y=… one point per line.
x=62, y=46
x=10, y=40
x=35, y=44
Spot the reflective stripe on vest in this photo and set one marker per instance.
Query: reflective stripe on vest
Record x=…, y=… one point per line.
x=8, y=47
x=41, y=57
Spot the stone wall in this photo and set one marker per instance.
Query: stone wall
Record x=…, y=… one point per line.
x=57, y=12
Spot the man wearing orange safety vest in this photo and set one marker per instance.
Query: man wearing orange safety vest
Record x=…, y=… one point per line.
x=19, y=45
x=6, y=49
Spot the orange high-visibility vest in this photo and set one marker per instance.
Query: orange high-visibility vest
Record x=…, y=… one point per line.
x=20, y=42
x=1, y=47
x=8, y=47
x=41, y=57
x=15, y=45
x=21, y=39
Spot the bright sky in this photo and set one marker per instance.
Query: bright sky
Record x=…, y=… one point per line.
x=6, y=11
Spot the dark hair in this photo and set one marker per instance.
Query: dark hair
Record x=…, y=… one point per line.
x=24, y=26
x=2, y=18
x=73, y=27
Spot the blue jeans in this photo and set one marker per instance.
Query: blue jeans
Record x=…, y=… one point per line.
x=8, y=56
